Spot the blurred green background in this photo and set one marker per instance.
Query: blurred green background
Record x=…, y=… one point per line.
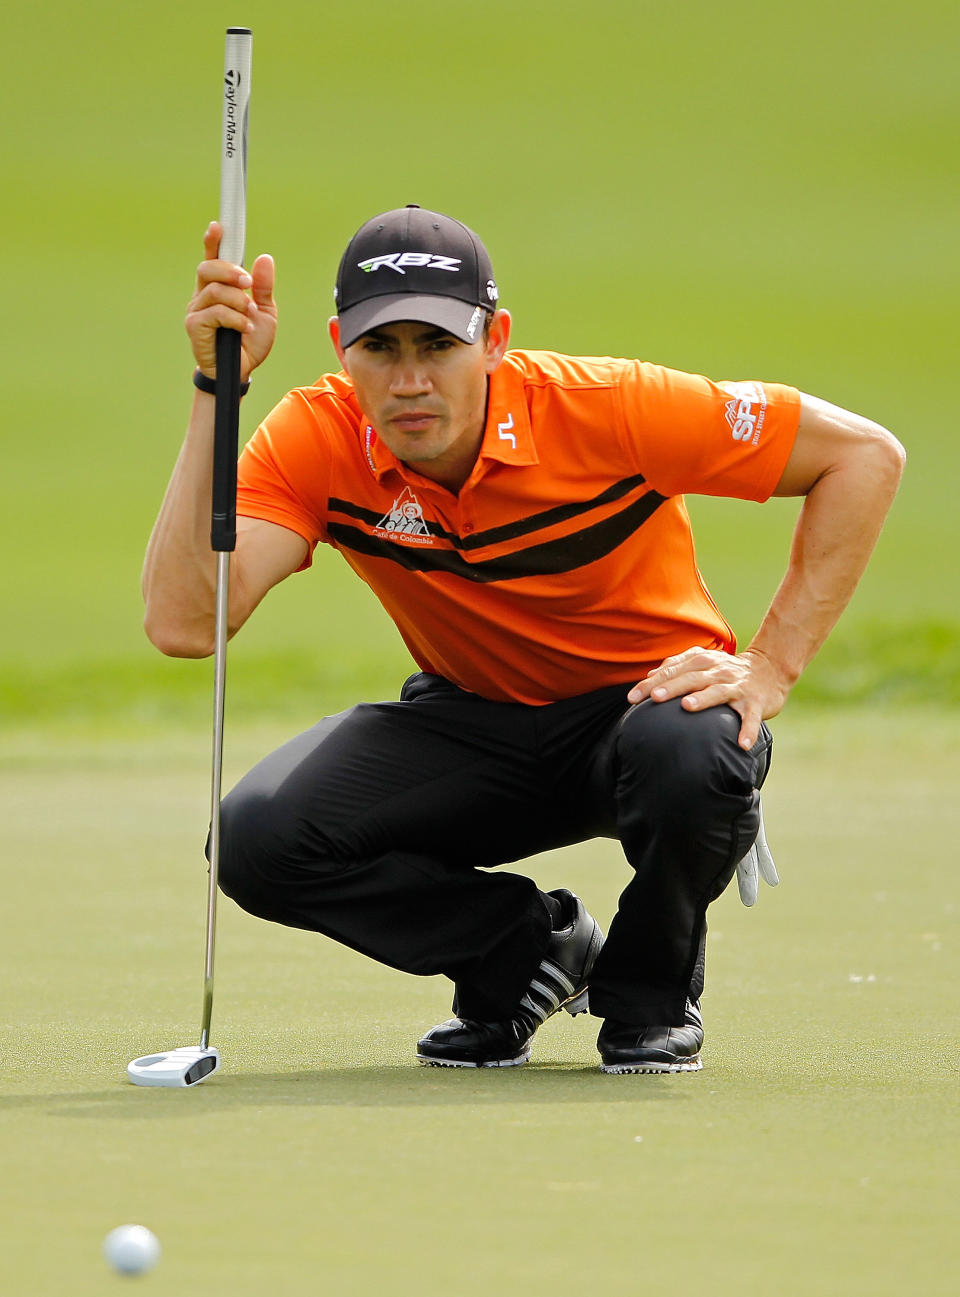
x=747, y=190
x=744, y=190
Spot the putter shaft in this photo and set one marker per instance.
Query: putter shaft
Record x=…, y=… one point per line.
x=219, y=690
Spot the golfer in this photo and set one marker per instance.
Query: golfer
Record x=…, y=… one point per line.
x=520, y=515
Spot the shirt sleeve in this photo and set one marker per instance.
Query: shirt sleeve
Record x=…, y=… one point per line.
x=690, y=435
x=283, y=473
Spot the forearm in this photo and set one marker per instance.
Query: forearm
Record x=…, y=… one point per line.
x=179, y=571
x=847, y=469
x=836, y=532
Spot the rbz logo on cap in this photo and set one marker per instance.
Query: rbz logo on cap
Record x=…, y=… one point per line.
x=397, y=260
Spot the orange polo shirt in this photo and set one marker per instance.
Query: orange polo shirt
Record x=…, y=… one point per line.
x=566, y=562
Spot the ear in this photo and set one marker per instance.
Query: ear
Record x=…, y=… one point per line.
x=333, y=326
x=499, y=339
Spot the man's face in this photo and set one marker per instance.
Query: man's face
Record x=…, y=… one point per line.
x=424, y=390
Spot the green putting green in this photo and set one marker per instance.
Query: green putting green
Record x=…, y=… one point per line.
x=815, y=1153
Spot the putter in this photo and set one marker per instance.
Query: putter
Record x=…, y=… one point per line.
x=190, y=1064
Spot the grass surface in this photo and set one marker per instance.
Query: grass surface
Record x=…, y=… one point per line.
x=814, y=1154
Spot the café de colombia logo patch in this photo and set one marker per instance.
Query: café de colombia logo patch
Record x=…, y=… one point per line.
x=405, y=518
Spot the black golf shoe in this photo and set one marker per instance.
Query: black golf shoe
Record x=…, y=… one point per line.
x=560, y=982
x=652, y=1049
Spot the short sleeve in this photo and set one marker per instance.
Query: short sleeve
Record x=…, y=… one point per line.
x=283, y=473
x=690, y=435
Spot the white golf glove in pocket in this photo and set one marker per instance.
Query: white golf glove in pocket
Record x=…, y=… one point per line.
x=756, y=864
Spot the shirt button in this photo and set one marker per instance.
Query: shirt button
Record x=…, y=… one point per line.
x=467, y=529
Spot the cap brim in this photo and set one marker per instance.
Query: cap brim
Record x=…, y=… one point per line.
x=463, y=319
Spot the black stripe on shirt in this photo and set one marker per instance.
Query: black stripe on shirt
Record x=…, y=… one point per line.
x=549, y=558
x=508, y=531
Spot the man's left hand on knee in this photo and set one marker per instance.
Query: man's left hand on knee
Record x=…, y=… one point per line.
x=702, y=678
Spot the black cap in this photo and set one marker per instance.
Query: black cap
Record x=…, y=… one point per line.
x=411, y=264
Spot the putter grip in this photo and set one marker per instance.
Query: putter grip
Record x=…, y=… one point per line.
x=223, y=522
x=238, y=58
x=233, y=219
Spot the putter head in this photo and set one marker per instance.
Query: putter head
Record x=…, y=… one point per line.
x=175, y=1069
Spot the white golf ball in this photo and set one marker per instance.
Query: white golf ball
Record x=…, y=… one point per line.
x=132, y=1249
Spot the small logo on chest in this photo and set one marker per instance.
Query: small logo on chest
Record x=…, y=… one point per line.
x=405, y=518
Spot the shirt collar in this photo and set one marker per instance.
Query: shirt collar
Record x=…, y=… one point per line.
x=508, y=436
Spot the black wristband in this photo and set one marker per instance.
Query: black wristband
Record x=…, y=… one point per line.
x=209, y=385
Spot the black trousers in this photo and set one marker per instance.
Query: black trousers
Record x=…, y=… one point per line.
x=376, y=827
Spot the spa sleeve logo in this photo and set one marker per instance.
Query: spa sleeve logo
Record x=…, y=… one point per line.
x=746, y=412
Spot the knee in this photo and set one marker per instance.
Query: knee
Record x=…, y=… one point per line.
x=257, y=854
x=243, y=851
x=680, y=760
